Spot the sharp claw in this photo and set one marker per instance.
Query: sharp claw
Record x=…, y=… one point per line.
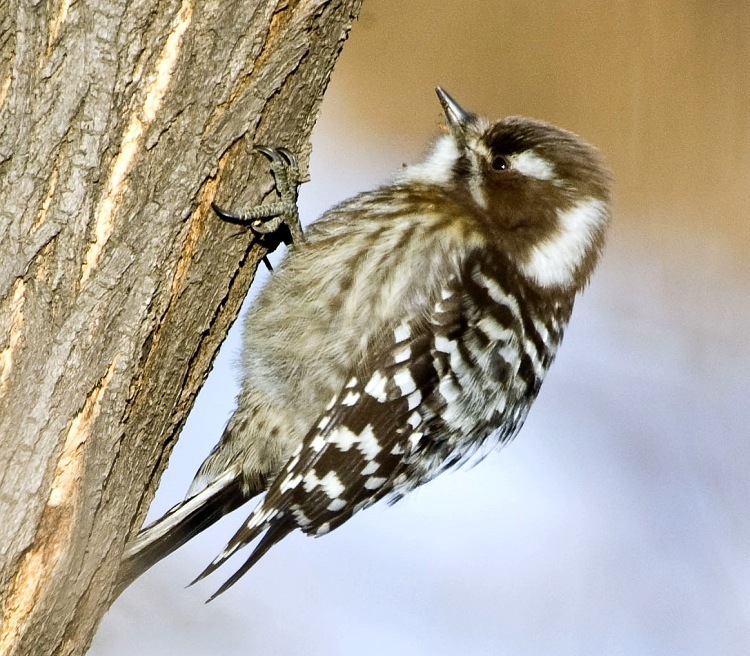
x=280, y=155
x=270, y=153
x=267, y=218
x=224, y=214
x=288, y=155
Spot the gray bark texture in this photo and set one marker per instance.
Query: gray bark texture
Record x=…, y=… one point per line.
x=120, y=121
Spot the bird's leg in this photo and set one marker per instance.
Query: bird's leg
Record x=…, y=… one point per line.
x=278, y=221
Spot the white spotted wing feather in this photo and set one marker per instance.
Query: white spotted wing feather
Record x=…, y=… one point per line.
x=436, y=388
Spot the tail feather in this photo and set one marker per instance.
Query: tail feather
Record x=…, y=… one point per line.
x=260, y=520
x=179, y=525
x=279, y=529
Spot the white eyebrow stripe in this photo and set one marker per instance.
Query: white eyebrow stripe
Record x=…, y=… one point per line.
x=531, y=163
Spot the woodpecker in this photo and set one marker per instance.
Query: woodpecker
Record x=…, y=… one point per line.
x=408, y=331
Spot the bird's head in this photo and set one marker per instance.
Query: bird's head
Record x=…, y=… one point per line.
x=543, y=191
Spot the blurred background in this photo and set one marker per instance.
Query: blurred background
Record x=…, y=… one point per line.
x=618, y=521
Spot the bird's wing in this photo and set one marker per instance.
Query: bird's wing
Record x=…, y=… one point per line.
x=388, y=417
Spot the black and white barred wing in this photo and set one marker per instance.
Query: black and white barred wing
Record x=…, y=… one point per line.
x=418, y=406
x=355, y=452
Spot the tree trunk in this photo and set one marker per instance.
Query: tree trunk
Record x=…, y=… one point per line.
x=119, y=123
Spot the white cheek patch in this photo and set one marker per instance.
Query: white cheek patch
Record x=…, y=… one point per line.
x=532, y=164
x=554, y=261
x=439, y=165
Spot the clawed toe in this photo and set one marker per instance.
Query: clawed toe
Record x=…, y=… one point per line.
x=278, y=155
x=289, y=156
x=225, y=215
x=269, y=219
x=285, y=170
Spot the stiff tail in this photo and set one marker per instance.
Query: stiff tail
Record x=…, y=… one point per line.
x=179, y=525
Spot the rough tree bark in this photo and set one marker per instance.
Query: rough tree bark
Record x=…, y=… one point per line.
x=119, y=122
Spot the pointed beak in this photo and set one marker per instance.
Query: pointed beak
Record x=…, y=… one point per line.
x=458, y=118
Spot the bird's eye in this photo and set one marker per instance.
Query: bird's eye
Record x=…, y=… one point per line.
x=500, y=163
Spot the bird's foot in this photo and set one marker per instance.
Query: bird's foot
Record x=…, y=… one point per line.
x=276, y=222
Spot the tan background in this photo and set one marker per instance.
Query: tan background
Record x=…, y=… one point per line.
x=618, y=522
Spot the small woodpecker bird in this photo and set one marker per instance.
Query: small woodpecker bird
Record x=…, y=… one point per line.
x=409, y=329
